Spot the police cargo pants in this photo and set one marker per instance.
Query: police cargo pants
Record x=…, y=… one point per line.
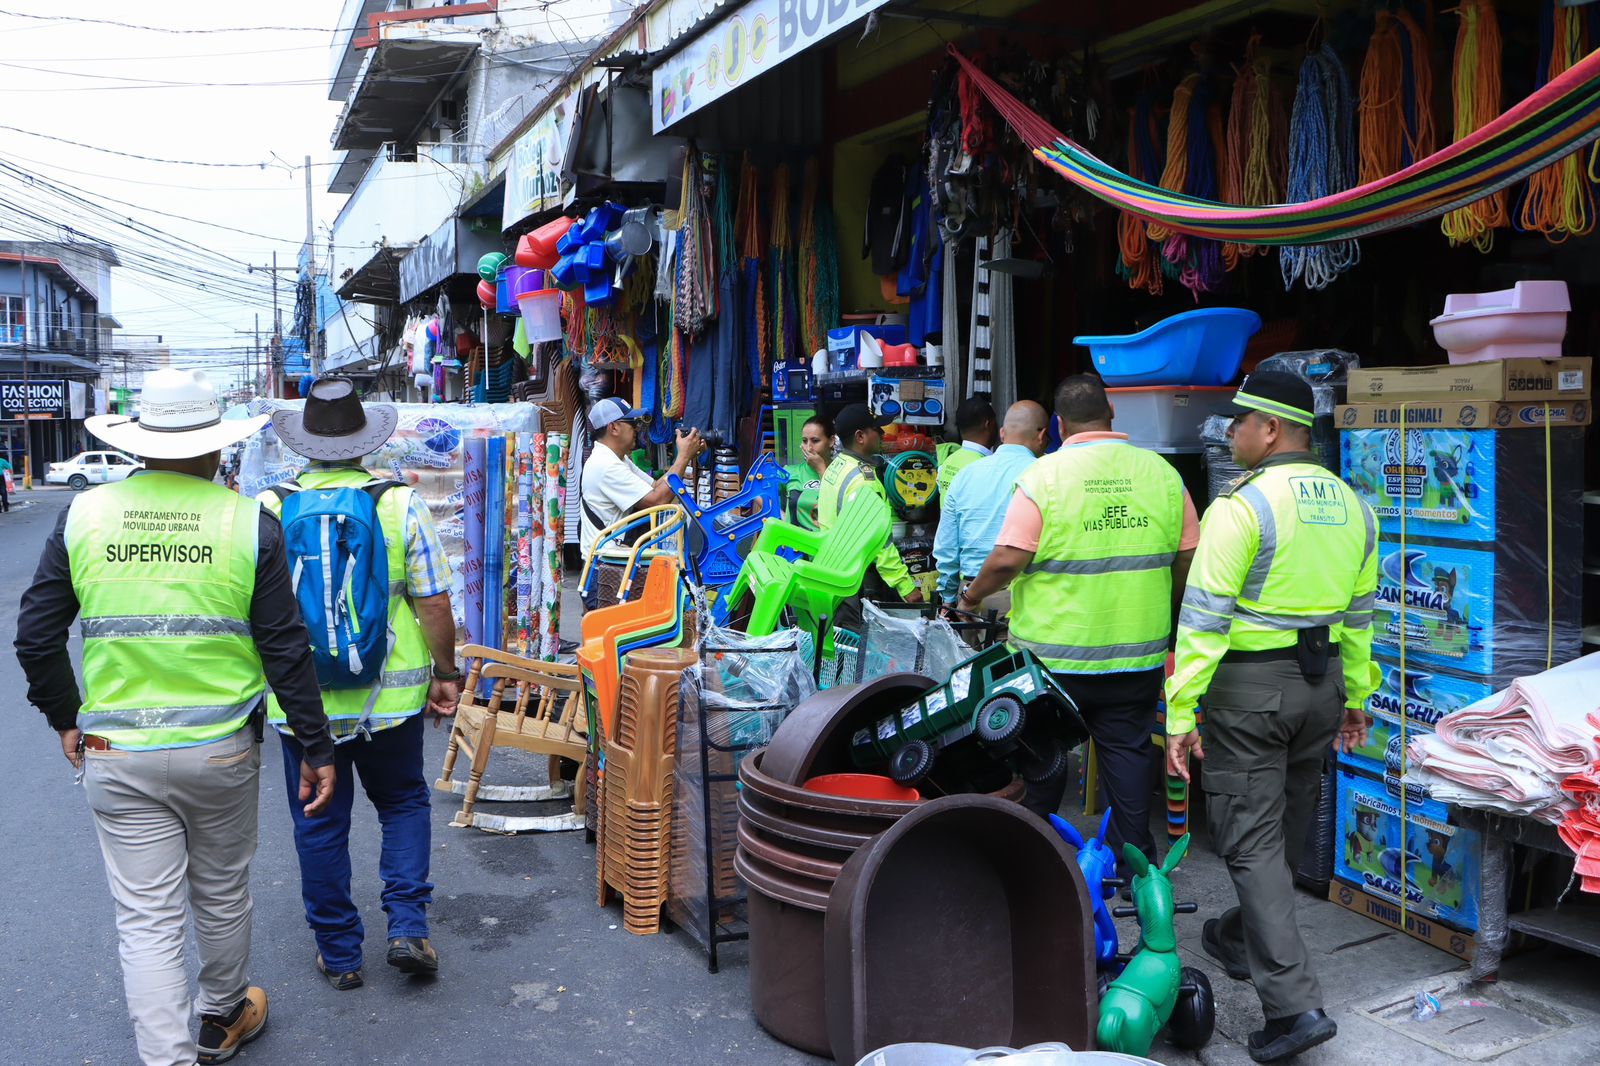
x=178, y=830
x=1266, y=733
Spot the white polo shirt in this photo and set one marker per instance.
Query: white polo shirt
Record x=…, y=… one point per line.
x=611, y=487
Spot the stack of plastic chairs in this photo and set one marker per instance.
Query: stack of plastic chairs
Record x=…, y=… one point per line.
x=719, y=536
x=633, y=846
x=614, y=569
x=811, y=588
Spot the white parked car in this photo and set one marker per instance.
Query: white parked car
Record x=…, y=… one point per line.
x=92, y=468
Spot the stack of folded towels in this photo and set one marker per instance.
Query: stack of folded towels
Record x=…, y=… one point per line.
x=1532, y=749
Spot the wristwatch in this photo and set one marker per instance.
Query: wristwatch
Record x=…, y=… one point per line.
x=454, y=674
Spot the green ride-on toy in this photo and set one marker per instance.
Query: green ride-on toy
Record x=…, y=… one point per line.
x=1001, y=702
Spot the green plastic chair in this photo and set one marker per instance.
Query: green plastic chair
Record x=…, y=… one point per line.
x=835, y=563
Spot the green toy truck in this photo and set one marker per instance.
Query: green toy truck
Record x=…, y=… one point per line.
x=1001, y=701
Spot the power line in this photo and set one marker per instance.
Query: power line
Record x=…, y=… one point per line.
x=264, y=164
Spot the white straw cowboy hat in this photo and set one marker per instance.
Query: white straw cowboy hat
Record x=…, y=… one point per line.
x=179, y=418
x=334, y=424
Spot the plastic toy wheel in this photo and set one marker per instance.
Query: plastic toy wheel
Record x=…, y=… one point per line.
x=1049, y=763
x=911, y=763
x=1194, y=1016
x=1000, y=723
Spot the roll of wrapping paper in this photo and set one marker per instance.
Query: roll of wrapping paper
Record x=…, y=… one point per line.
x=536, y=560
x=494, y=542
x=473, y=489
x=522, y=505
x=555, y=506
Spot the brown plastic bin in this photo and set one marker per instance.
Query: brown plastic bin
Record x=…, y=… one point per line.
x=814, y=738
x=785, y=916
x=966, y=923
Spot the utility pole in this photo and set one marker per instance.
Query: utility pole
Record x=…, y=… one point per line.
x=27, y=393
x=313, y=339
x=276, y=345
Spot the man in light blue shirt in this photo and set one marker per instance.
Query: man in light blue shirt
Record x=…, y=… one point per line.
x=975, y=506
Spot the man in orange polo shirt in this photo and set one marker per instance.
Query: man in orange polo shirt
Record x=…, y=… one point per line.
x=1095, y=547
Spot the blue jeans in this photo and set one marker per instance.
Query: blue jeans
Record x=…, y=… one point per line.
x=390, y=765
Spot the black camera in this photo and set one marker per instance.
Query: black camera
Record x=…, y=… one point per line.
x=713, y=438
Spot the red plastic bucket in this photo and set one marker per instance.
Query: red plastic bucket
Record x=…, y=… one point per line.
x=862, y=786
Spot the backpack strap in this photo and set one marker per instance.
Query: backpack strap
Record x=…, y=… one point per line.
x=378, y=486
x=284, y=489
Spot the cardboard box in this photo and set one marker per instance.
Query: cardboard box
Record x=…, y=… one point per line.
x=1354, y=898
x=1499, y=379
x=1423, y=696
x=1478, y=610
x=1433, y=862
x=1463, y=484
x=915, y=401
x=1451, y=414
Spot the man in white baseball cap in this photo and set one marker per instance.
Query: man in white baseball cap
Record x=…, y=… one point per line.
x=611, y=486
x=187, y=615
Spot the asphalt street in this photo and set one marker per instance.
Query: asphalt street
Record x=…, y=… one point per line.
x=532, y=971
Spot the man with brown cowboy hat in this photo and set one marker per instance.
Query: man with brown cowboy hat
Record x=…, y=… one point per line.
x=185, y=602
x=374, y=588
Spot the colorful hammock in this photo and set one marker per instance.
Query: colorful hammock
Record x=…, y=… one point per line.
x=1558, y=119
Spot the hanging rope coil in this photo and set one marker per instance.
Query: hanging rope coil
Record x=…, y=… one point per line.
x=694, y=293
x=1321, y=163
x=1558, y=201
x=1256, y=148
x=818, y=266
x=1138, y=261
x=785, y=328
x=748, y=226
x=1396, y=127
x=1475, y=93
x=1194, y=146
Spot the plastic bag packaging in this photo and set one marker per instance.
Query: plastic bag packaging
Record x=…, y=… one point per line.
x=729, y=705
x=1328, y=372
x=895, y=642
x=1425, y=1006
x=1221, y=470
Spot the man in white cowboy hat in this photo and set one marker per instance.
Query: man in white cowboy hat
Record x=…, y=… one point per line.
x=185, y=602
x=376, y=716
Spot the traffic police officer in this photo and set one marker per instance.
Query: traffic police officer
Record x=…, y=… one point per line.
x=1275, y=633
x=860, y=438
x=1095, y=540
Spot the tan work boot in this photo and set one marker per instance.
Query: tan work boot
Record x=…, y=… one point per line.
x=221, y=1036
x=413, y=955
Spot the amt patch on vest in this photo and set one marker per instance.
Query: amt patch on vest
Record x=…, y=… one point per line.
x=199, y=554
x=1320, y=501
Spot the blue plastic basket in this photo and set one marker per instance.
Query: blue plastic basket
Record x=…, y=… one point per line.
x=1203, y=347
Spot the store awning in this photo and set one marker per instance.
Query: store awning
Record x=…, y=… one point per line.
x=400, y=83
x=487, y=202
x=377, y=281
x=756, y=37
x=454, y=248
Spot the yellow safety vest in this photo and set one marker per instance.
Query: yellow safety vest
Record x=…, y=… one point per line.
x=845, y=477
x=164, y=568
x=1097, y=597
x=402, y=690
x=1287, y=547
x=952, y=463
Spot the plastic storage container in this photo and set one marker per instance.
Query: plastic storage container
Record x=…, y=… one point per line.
x=1203, y=347
x=1526, y=321
x=541, y=314
x=1167, y=418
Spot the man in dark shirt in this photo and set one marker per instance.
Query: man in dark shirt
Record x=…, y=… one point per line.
x=186, y=603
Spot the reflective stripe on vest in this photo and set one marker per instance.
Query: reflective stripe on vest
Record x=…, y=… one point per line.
x=402, y=688
x=1097, y=596
x=163, y=566
x=1304, y=566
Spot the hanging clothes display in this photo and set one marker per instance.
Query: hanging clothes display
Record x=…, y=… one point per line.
x=921, y=279
x=979, y=361
x=785, y=328
x=757, y=336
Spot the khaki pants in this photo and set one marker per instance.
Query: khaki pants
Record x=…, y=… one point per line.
x=1267, y=732
x=177, y=830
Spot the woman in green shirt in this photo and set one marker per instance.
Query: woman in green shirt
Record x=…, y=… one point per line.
x=816, y=445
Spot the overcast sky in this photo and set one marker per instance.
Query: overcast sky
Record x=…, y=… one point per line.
x=257, y=92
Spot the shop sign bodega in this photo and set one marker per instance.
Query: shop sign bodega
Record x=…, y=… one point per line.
x=533, y=175
x=745, y=44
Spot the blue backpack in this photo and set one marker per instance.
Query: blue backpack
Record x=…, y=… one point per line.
x=339, y=571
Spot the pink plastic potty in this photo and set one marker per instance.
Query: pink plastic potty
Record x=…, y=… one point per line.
x=1526, y=321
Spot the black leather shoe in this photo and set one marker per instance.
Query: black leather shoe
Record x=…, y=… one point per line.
x=1284, y=1038
x=1211, y=942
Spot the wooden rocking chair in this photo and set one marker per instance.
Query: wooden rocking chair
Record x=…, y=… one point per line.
x=548, y=719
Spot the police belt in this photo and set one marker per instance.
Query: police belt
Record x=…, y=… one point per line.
x=1286, y=654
